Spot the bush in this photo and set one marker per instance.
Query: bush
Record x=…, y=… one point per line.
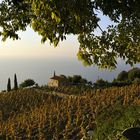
x=27, y=83
x=136, y=81
x=122, y=76
x=134, y=73
x=101, y=83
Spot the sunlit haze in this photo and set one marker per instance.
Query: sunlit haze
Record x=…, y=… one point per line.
x=28, y=58
x=29, y=46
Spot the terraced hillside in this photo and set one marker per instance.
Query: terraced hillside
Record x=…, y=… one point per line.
x=39, y=114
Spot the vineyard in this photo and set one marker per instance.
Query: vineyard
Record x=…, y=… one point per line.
x=45, y=114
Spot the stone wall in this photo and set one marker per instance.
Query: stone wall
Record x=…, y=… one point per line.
x=53, y=83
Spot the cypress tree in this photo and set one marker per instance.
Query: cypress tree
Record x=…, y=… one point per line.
x=9, y=85
x=15, y=82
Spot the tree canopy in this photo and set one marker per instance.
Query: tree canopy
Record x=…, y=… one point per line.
x=27, y=83
x=55, y=19
x=122, y=76
x=128, y=77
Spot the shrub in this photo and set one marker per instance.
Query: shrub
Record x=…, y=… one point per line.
x=136, y=81
x=122, y=76
x=134, y=73
x=27, y=83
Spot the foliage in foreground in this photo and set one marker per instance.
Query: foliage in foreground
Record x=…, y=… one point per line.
x=55, y=19
x=39, y=114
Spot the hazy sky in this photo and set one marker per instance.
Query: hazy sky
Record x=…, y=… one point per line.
x=28, y=58
x=31, y=59
x=29, y=46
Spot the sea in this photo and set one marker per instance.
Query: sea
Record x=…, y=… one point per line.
x=40, y=70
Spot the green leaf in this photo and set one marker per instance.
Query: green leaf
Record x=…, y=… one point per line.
x=55, y=17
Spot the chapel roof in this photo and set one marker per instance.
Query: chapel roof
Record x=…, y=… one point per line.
x=59, y=78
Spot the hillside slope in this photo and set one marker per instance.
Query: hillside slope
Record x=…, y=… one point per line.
x=37, y=114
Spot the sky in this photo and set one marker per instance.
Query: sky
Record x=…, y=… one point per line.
x=28, y=58
x=29, y=46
